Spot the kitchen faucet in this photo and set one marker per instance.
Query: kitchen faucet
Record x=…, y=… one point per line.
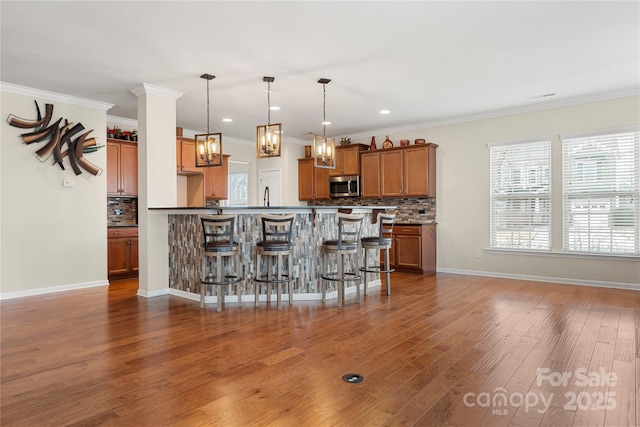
x=265, y=199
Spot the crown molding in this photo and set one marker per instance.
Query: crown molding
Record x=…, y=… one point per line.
x=146, y=88
x=123, y=121
x=52, y=96
x=539, y=106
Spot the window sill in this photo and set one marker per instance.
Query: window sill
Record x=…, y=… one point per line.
x=581, y=255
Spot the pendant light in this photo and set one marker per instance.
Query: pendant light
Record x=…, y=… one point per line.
x=324, y=149
x=268, y=141
x=209, y=145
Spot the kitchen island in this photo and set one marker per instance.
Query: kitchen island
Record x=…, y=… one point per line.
x=311, y=227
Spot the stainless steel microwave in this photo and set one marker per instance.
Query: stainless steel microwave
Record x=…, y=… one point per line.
x=344, y=186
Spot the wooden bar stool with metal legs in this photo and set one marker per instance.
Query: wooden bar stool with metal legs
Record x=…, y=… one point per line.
x=347, y=244
x=219, y=248
x=276, y=243
x=381, y=242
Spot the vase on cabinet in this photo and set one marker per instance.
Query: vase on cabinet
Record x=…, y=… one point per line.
x=373, y=143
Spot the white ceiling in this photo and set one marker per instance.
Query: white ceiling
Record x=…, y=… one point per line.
x=427, y=62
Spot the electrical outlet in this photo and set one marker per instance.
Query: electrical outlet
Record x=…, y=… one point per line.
x=478, y=253
x=68, y=183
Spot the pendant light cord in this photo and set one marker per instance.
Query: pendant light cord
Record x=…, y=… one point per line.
x=324, y=110
x=268, y=103
x=208, y=107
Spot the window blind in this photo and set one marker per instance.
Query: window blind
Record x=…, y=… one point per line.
x=520, y=175
x=601, y=193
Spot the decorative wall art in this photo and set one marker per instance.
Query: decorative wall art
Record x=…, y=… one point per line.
x=58, y=136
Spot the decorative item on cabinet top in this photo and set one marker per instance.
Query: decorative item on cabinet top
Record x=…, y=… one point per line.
x=126, y=135
x=58, y=135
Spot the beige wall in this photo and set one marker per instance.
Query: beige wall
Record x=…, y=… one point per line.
x=463, y=191
x=52, y=236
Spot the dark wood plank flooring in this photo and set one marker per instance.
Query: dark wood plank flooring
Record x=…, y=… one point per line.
x=443, y=350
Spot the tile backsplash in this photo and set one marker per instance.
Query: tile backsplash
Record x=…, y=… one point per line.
x=409, y=210
x=122, y=211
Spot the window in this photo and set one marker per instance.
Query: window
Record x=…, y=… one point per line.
x=601, y=192
x=521, y=195
x=238, y=189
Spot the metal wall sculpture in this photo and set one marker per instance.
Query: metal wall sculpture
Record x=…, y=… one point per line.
x=58, y=136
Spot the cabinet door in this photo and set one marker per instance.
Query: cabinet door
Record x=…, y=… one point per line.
x=391, y=174
x=339, y=170
x=134, y=254
x=129, y=169
x=408, y=251
x=216, y=181
x=351, y=161
x=188, y=156
x=119, y=255
x=113, y=168
x=415, y=172
x=370, y=174
x=305, y=179
x=321, y=183
x=429, y=249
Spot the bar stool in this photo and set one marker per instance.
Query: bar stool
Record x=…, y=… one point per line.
x=219, y=246
x=348, y=243
x=381, y=242
x=277, y=242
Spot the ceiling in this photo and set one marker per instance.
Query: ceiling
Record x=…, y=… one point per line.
x=427, y=62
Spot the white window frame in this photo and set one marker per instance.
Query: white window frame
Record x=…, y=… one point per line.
x=520, y=209
x=230, y=200
x=602, y=197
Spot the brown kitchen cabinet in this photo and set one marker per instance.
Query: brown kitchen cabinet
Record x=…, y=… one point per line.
x=347, y=160
x=186, y=156
x=413, y=248
x=313, y=183
x=399, y=172
x=122, y=168
x=370, y=174
x=216, y=180
x=122, y=252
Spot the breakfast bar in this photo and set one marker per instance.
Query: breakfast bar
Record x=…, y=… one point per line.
x=312, y=225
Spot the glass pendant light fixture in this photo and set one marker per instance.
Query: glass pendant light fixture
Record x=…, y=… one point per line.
x=268, y=141
x=209, y=145
x=324, y=148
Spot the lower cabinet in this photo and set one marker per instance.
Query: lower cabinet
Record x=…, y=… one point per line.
x=122, y=252
x=413, y=248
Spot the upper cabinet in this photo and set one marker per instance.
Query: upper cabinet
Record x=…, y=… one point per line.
x=370, y=174
x=399, y=172
x=348, y=160
x=122, y=168
x=216, y=179
x=313, y=183
x=186, y=156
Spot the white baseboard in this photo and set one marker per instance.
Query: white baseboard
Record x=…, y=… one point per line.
x=562, y=280
x=52, y=289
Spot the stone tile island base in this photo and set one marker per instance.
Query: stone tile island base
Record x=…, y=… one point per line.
x=311, y=227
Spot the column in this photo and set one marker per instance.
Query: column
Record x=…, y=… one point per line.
x=157, y=183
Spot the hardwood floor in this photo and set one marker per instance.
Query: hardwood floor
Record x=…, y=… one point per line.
x=442, y=350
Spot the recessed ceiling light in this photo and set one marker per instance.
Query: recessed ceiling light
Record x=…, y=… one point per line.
x=274, y=108
x=544, y=95
x=326, y=123
x=227, y=120
x=385, y=111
